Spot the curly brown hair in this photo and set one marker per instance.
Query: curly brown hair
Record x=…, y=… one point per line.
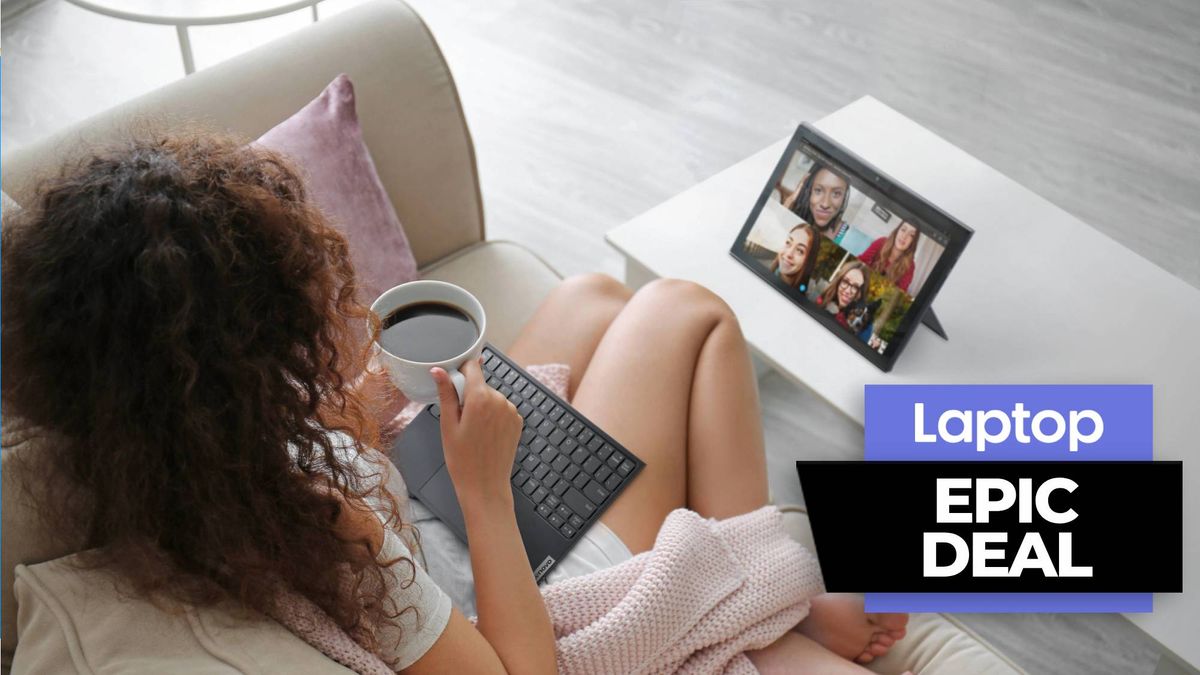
x=183, y=320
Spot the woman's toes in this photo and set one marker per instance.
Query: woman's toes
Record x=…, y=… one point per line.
x=877, y=649
x=885, y=640
x=865, y=657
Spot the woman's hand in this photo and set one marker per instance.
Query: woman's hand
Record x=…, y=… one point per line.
x=480, y=440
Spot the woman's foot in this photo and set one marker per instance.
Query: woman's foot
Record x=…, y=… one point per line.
x=839, y=623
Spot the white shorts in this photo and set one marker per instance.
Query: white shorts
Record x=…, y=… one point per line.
x=598, y=549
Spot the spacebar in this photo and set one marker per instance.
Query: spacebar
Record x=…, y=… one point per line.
x=578, y=503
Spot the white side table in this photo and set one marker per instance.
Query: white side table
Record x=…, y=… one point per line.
x=1037, y=297
x=182, y=14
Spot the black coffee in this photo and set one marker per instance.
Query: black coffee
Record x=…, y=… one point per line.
x=428, y=332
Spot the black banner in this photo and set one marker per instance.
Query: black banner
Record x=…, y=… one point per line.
x=1051, y=527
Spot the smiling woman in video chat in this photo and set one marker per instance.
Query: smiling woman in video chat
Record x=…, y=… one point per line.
x=821, y=199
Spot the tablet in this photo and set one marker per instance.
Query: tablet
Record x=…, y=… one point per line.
x=858, y=251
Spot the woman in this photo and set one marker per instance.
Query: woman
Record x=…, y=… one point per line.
x=892, y=256
x=848, y=286
x=793, y=265
x=821, y=199
x=207, y=312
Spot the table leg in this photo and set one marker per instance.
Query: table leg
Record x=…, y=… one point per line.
x=185, y=47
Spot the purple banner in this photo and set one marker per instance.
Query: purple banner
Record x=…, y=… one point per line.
x=1069, y=422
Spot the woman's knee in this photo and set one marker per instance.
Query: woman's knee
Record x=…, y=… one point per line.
x=689, y=296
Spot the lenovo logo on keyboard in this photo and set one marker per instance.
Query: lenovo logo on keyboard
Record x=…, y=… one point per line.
x=541, y=569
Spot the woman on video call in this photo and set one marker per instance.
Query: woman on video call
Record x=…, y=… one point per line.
x=794, y=264
x=821, y=199
x=847, y=287
x=892, y=256
x=214, y=419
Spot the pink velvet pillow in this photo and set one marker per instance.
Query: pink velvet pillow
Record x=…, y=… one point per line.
x=325, y=140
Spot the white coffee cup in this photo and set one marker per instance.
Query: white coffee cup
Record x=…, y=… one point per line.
x=412, y=377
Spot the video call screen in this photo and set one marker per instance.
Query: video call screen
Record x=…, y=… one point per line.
x=829, y=238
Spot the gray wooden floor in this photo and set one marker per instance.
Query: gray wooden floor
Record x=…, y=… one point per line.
x=586, y=113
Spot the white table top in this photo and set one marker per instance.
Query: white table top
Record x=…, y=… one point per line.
x=1037, y=297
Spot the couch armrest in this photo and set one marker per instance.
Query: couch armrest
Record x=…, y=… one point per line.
x=407, y=102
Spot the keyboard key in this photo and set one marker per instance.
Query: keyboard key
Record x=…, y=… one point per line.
x=520, y=384
x=511, y=378
x=560, y=464
x=436, y=411
x=552, y=500
x=595, y=444
x=575, y=522
x=568, y=531
x=537, y=398
x=535, y=419
x=530, y=391
x=612, y=482
x=505, y=390
x=614, y=460
x=578, y=503
x=539, y=494
x=549, y=454
x=563, y=511
x=516, y=398
x=528, y=435
x=546, y=427
x=524, y=409
x=515, y=469
x=590, y=465
x=576, y=428
x=520, y=478
x=595, y=492
x=560, y=487
x=546, y=406
x=570, y=472
x=550, y=479
x=557, y=436
x=488, y=354
x=492, y=363
x=580, y=456
x=503, y=370
x=586, y=436
x=544, y=511
x=493, y=381
x=556, y=520
x=603, y=474
x=530, y=463
x=580, y=480
x=538, y=444
x=541, y=471
x=555, y=413
x=566, y=420
x=530, y=486
x=626, y=467
x=604, y=451
x=568, y=446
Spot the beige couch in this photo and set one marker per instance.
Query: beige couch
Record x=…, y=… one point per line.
x=413, y=123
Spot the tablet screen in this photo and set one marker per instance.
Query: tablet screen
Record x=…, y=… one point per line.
x=841, y=245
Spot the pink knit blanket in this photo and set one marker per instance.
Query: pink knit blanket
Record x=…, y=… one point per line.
x=706, y=593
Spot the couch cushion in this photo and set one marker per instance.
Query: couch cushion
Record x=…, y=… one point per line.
x=325, y=141
x=509, y=280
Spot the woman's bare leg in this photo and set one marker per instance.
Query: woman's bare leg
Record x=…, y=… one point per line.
x=683, y=397
x=569, y=323
x=672, y=381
